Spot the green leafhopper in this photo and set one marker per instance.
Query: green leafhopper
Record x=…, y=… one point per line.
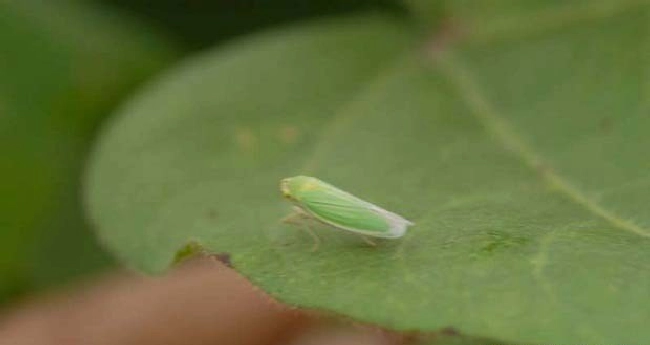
x=327, y=204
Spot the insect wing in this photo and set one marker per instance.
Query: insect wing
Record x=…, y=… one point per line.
x=343, y=210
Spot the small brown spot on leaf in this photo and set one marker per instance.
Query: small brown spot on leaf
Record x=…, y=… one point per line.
x=212, y=214
x=501, y=241
x=606, y=125
x=246, y=139
x=289, y=134
x=449, y=31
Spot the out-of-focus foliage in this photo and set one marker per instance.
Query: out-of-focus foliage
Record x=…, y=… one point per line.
x=63, y=67
x=201, y=23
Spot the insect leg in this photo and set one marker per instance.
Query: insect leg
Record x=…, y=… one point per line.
x=301, y=219
x=368, y=241
x=296, y=216
x=313, y=236
x=292, y=218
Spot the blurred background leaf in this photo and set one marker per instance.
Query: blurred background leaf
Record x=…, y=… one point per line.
x=63, y=67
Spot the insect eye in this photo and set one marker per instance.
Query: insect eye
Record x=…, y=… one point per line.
x=284, y=188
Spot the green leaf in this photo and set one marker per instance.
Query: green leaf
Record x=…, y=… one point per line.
x=518, y=151
x=62, y=68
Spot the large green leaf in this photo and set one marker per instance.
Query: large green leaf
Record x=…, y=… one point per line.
x=62, y=67
x=519, y=152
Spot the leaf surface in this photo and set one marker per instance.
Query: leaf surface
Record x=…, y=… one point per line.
x=518, y=152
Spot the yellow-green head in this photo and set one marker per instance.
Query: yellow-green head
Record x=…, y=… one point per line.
x=293, y=187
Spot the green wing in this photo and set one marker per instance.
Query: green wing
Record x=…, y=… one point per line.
x=343, y=210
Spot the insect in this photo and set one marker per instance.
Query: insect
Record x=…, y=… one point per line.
x=316, y=200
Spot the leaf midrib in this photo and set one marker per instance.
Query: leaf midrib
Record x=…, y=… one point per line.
x=507, y=135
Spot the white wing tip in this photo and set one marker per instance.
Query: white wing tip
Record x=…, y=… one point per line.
x=398, y=224
x=399, y=227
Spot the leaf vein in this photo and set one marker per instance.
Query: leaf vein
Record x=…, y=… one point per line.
x=504, y=132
